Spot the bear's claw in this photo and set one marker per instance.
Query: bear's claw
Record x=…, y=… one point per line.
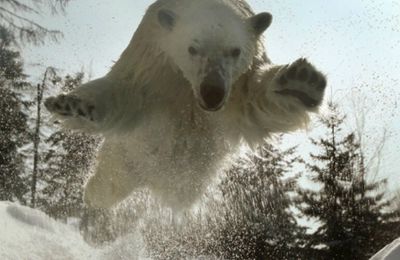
x=302, y=81
x=70, y=106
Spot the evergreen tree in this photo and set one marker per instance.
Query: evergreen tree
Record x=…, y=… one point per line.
x=351, y=211
x=248, y=216
x=13, y=121
x=68, y=164
x=256, y=221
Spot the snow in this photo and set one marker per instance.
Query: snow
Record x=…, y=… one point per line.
x=26, y=233
x=389, y=252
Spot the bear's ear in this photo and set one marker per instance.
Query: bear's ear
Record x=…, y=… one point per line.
x=167, y=19
x=260, y=22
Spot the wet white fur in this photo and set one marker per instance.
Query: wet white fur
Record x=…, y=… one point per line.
x=156, y=135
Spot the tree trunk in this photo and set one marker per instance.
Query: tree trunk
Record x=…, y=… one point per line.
x=36, y=139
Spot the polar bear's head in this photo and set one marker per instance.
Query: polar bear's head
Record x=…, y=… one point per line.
x=212, y=45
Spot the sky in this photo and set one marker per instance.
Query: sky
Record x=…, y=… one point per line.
x=355, y=43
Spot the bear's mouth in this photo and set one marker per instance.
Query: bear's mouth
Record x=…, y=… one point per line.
x=213, y=91
x=212, y=97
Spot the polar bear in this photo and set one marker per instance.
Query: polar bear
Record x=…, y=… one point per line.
x=192, y=86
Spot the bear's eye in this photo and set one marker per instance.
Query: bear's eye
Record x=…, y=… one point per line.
x=236, y=52
x=193, y=51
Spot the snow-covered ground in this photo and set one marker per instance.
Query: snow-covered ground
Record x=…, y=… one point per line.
x=30, y=234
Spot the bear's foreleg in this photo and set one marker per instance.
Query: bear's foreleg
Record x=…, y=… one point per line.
x=285, y=94
x=115, y=176
x=86, y=107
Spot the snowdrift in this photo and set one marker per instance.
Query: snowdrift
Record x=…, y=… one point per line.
x=26, y=233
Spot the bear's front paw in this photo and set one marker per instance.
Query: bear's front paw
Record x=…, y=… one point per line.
x=302, y=81
x=71, y=106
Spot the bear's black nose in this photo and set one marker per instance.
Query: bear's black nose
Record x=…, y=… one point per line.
x=213, y=91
